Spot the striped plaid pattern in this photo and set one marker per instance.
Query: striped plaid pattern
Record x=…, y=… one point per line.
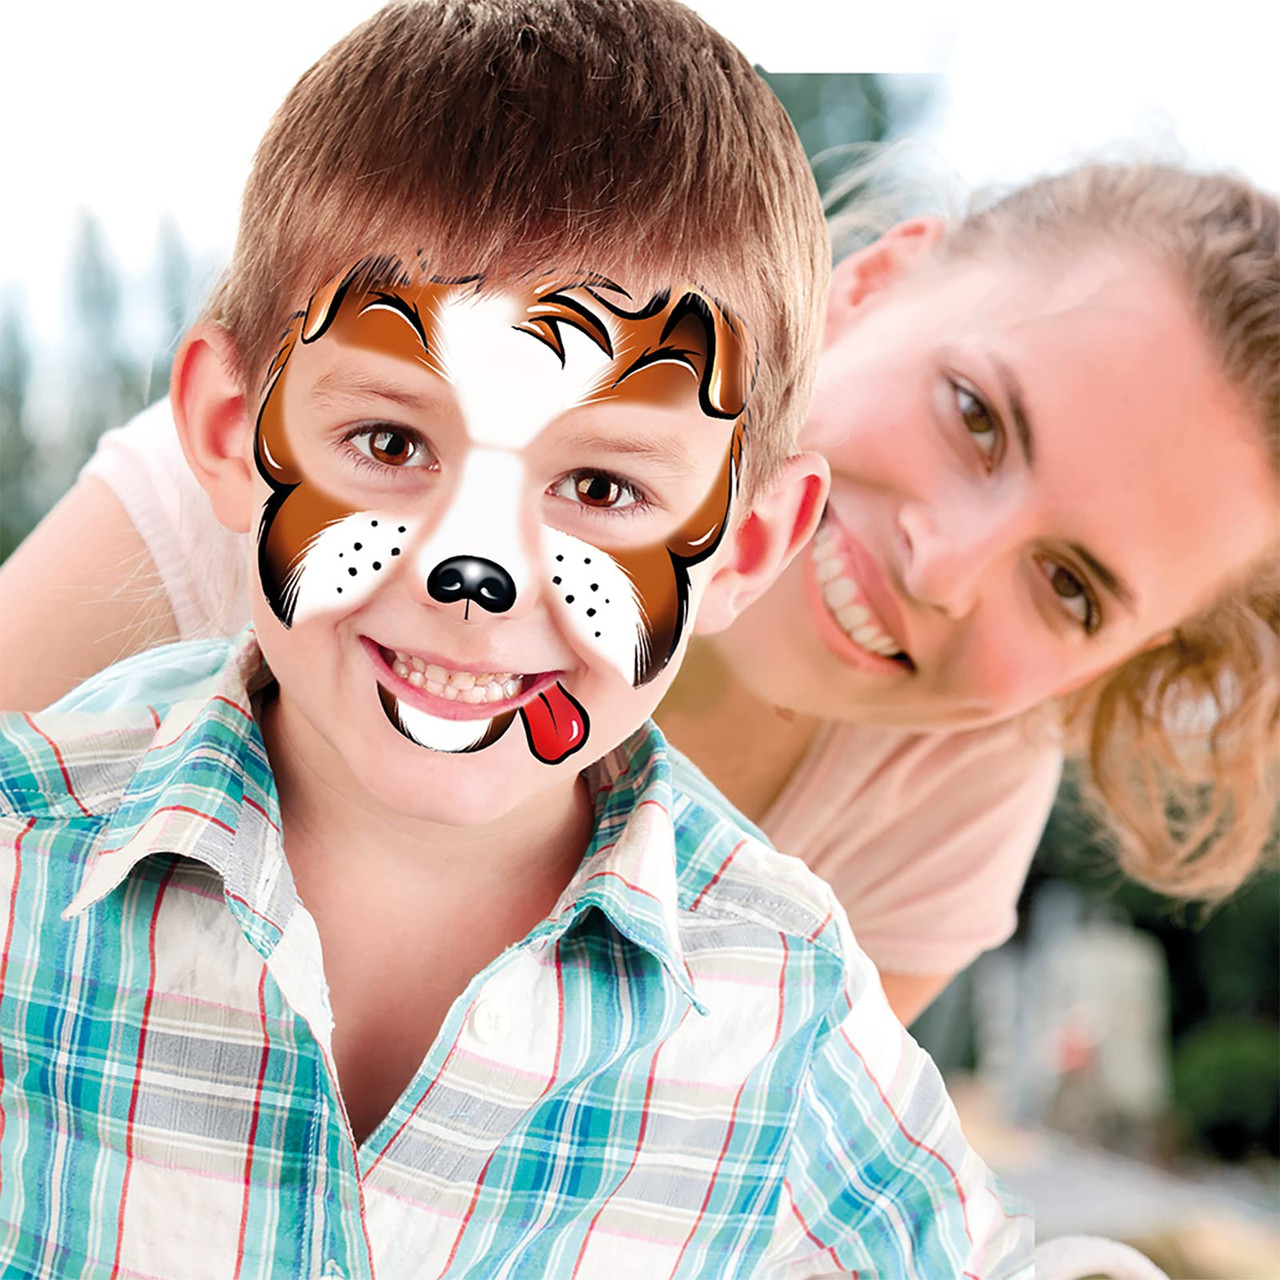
x=687, y=1070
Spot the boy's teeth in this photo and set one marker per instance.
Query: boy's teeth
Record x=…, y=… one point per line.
x=457, y=686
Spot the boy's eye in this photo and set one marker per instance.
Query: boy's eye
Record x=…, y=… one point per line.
x=392, y=447
x=1073, y=595
x=982, y=423
x=598, y=489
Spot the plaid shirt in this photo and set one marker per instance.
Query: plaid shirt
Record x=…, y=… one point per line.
x=687, y=1070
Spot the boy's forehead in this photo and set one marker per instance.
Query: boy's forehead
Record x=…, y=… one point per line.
x=517, y=356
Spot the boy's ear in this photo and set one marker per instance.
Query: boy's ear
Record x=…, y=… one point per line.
x=214, y=422
x=761, y=544
x=870, y=270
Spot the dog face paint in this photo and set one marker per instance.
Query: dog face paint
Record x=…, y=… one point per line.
x=504, y=377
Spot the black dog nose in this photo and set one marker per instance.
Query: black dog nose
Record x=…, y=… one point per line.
x=469, y=578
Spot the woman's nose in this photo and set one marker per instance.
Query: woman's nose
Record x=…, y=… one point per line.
x=950, y=553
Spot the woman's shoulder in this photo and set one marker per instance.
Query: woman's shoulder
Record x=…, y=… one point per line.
x=857, y=771
x=201, y=564
x=925, y=838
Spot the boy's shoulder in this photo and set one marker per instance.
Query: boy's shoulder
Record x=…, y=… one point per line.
x=729, y=868
x=741, y=909
x=77, y=758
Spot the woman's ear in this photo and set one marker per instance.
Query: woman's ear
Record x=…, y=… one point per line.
x=763, y=542
x=874, y=268
x=213, y=421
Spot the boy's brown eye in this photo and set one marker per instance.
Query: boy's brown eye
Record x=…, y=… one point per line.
x=598, y=491
x=390, y=447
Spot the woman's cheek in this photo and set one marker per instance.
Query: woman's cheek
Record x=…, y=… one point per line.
x=1005, y=668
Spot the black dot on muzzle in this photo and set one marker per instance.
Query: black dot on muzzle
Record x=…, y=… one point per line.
x=469, y=578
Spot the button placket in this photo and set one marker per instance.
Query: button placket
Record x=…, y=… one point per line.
x=490, y=1021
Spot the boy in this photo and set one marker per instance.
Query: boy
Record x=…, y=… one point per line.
x=505, y=378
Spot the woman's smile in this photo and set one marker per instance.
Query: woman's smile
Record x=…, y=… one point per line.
x=844, y=590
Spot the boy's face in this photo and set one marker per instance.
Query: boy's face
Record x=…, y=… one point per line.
x=489, y=515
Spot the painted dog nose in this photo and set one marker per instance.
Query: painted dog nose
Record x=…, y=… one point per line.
x=469, y=578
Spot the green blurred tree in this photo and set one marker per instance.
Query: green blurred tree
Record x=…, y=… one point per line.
x=1226, y=1084
x=176, y=280
x=1224, y=978
x=18, y=502
x=108, y=383
x=836, y=114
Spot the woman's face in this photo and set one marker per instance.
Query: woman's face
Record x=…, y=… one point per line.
x=1038, y=469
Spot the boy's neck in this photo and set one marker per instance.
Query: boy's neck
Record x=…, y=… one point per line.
x=749, y=748
x=339, y=839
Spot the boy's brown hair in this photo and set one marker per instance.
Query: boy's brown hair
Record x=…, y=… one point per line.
x=506, y=137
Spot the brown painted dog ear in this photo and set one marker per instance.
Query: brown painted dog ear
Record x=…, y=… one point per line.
x=325, y=304
x=720, y=349
x=272, y=451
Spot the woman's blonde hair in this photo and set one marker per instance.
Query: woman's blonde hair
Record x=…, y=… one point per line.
x=1182, y=742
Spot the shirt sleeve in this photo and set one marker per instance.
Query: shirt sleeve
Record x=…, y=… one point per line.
x=880, y=1181
x=202, y=565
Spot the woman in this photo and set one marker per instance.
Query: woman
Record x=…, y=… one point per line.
x=1054, y=433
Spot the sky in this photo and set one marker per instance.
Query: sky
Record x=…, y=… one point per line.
x=143, y=109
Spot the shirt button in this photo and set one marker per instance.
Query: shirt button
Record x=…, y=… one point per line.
x=489, y=1021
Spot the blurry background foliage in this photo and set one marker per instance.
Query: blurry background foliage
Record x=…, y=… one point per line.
x=1224, y=967
x=1224, y=983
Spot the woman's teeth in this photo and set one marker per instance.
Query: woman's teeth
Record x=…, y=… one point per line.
x=841, y=596
x=457, y=686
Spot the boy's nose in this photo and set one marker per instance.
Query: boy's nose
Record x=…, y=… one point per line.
x=473, y=579
x=485, y=550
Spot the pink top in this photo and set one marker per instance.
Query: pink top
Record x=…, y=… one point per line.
x=924, y=837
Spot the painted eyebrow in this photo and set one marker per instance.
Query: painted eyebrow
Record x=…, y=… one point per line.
x=1112, y=581
x=1018, y=407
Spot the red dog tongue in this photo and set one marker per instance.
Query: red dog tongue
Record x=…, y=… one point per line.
x=555, y=724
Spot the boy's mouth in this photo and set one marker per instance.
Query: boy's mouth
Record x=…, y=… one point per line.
x=447, y=708
x=452, y=692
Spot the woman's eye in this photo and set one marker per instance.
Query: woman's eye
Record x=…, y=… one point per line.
x=392, y=447
x=1074, y=596
x=981, y=423
x=597, y=489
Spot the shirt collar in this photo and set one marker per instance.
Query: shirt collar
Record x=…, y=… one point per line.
x=630, y=868
x=203, y=790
